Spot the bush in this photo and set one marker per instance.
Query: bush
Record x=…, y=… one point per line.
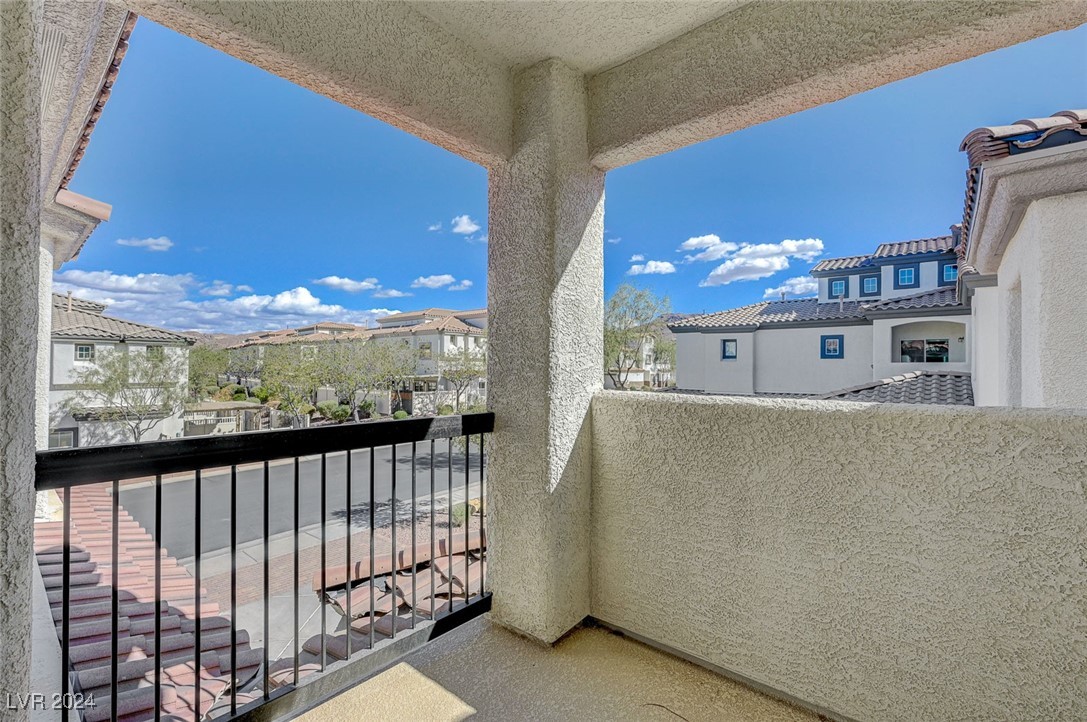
x=476, y=409
x=262, y=394
x=341, y=413
x=240, y=396
x=306, y=409
x=327, y=408
x=461, y=513
x=445, y=410
x=400, y=414
x=375, y=415
x=210, y=391
x=366, y=408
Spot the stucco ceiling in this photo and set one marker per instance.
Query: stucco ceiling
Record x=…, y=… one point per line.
x=590, y=36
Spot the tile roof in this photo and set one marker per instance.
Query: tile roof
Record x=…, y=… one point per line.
x=916, y=387
x=838, y=264
x=940, y=298
x=797, y=310
x=90, y=624
x=1000, y=141
x=412, y=315
x=103, y=95
x=85, y=321
x=939, y=244
x=809, y=310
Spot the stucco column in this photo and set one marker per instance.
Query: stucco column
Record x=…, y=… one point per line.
x=545, y=354
x=20, y=206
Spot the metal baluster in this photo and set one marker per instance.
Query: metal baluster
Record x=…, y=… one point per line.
x=158, y=595
x=115, y=598
x=350, y=575
x=66, y=593
x=449, y=516
x=395, y=563
x=267, y=585
x=467, y=517
x=414, y=592
x=294, y=589
x=432, y=551
x=482, y=522
x=196, y=593
x=233, y=589
x=324, y=579
x=371, y=582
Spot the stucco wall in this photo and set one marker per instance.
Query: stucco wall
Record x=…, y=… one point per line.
x=884, y=562
x=984, y=342
x=788, y=360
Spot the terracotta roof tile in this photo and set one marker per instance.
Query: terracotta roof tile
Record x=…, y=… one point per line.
x=915, y=387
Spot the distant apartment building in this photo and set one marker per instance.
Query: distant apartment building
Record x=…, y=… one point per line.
x=885, y=314
x=82, y=335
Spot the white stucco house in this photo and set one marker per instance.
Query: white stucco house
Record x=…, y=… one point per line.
x=1024, y=260
x=82, y=335
x=889, y=313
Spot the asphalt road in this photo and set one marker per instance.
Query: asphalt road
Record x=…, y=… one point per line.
x=178, y=496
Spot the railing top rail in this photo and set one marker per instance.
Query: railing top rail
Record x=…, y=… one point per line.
x=62, y=468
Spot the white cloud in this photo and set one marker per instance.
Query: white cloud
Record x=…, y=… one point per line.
x=220, y=288
x=434, y=227
x=798, y=286
x=390, y=293
x=745, y=269
x=616, y=239
x=464, y=285
x=242, y=288
x=636, y=257
x=438, y=281
x=162, y=300
x=710, y=247
x=162, y=243
x=347, y=284
x=806, y=250
x=464, y=225
x=651, y=267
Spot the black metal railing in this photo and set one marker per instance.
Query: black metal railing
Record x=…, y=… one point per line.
x=207, y=542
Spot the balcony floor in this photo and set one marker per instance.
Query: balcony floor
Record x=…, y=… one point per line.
x=483, y=672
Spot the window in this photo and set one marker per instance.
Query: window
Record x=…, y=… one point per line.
x=482, y=384
x=63, y=438
x=870, y=285
x=907, y=276
x=929, y=350
x=839, y=287
x=84, y=352
x=728, y=349
x=425, y=349
x=156, y=353
x=949, y=273
x=832, y=347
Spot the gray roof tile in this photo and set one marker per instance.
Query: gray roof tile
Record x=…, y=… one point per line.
x=938, y=244
x=797, y=310
x=837, y=264
x=915, y=387
x=940, y=298
x=85, y=321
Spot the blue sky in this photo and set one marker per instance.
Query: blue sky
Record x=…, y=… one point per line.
x=242, y=202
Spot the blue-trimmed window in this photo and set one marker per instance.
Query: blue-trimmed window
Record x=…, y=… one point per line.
x=949, y=273
x=729, y=347
x=832, y=346
x=838, y=287
x=870, y=285
x=908, y=275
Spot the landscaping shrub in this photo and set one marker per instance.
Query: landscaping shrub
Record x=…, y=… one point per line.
x=366, y=408
x=240, y=396
x=460, y=513
x=341, y=413
x=261, y=394
x=327, y=408
x=400, y=414
x=476, y=409
x=375, y=415
x=306, y=409
x=445, y=410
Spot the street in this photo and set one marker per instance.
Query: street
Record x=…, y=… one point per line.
x=178, y=497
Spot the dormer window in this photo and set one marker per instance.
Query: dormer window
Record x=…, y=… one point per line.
x=949, y=273
x=839, y=287
x=870, y=285
x=907, y=275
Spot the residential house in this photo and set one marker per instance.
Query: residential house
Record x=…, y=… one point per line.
x=1024, y=258
x=876, y=316
x=81, y=336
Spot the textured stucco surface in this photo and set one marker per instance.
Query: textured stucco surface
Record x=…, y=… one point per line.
x=884, y=562
x=382, y=58
x=43, y=360
x=482, y=672
x=20, y=205
x=545, y=295
x=769, y=59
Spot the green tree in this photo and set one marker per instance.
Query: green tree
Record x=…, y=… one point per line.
x=292, y=374
x=132, y=387
x=461, y=369
x=246, y=362
x=206, y=364
x=396, y=364
x=631, y=317
x=353, y=369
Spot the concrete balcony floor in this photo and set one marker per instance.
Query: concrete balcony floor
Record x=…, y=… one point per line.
x=483, y=672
